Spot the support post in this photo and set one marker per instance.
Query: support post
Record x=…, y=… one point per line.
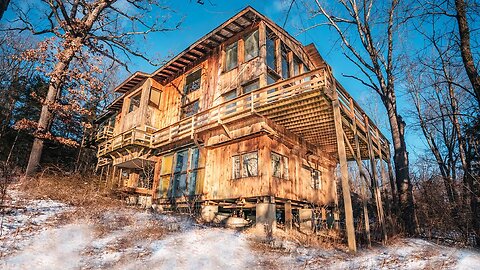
x=375, y=189
x=358, y=158
x=342, y=157
x=288, y=215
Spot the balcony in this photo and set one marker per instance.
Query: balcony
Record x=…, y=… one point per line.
x=301, y=104
x=104, y=133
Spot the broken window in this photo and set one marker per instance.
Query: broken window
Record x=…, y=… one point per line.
x=271, y=56
x=154, y=99
x=189, y=109
x=231, y=60
x=285, y=65
x=135, y=102
x=193, y=82
x=251, y=46
x=279, y=166
x=245, y=165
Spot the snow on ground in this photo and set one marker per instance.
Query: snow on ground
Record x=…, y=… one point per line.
x=128, y=238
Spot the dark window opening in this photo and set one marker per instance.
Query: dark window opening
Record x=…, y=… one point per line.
x=285, y=65
x=271, y=55
x=251, y=86
x=135, y=102
x=189, y=109
x=193, y=82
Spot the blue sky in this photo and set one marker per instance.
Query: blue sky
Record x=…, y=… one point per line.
x=198, y=20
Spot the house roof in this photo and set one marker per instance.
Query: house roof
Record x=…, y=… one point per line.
x=202, y=47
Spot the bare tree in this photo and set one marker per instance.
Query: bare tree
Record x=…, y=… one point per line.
x=105, y=27
x=367, y=32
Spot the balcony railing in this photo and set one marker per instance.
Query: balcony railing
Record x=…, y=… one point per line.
x=104, y=133
x=245, y=104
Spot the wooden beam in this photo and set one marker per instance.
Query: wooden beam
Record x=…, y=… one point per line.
x=375, y=189
x=342, y=157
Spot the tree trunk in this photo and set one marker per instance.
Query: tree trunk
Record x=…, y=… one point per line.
x=467, y=58
x=46, y=115
x=400, y=158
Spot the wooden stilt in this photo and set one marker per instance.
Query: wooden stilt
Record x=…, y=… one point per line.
x=358, y=158
x=375, y=189
x=342, y=157
x=288, y=215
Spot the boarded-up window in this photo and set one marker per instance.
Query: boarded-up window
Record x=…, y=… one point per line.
x=231, y=60
x=189, y=109
x=279, y=166
x=245, y=165
x=134, y=102
x=271, y=56
x=165, y=174
x=155, y=95
x=251, y=46
x=193, y=82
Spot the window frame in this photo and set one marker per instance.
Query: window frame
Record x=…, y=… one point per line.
x=188, y=90
x=184, y=115
x=227, y=47
x=241, y=164
x=133, y=97
x=284, y=166
x=245, y=39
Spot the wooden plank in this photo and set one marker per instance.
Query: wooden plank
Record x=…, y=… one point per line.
x=347, y=200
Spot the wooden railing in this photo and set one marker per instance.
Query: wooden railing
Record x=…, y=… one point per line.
x=245, y=104
x=104, y=133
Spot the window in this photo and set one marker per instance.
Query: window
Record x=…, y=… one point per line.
x=230, y=108
x=279, y=166
x=135, y=102
x=296, y=66
x=231, y=60
x=245, y=165
x=189, y=109
x=251, y=86
x=251, y=46
x=315, y=177
x=184, y=177
x=285, y=66
x=193, y=82
x=271, y=56
x=154, y=99
x=272, y=78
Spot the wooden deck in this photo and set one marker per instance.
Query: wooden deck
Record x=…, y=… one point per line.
x=302, y=104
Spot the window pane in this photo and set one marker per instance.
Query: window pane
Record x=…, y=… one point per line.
x=285, y=66
x=271, y=57
x=192, y=183
x=180, y=184
x=236, y=167
x=181, y=162
x=193, y=82
x=251, y=46
x=276, y=166
x=271, y=78
x=135, y=102
x=285, y=168
x=296, y=66
x=194, y=159
x=251, y=86
x=250, y=164
x=232, y=57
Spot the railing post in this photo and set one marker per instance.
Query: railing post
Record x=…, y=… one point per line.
x=251, y=102
x=192, y=126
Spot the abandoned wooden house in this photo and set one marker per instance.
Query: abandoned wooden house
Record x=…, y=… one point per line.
x=246, y=121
